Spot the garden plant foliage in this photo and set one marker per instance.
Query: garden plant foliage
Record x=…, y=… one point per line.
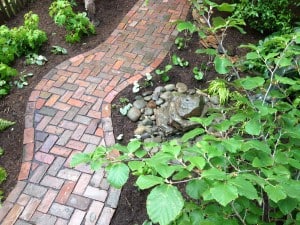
x=17, y=42
x=4, y=124
x=242, y=164
x=77, y=25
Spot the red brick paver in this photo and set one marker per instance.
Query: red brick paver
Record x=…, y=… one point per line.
x=70, y=111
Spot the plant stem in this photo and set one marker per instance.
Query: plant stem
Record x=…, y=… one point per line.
x=237, y=214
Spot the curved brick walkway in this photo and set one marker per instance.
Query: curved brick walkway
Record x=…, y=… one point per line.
x=69, y=112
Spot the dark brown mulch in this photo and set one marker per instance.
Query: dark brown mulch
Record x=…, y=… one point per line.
x=12, y=107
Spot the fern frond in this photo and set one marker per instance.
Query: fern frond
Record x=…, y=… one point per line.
x=5, y=124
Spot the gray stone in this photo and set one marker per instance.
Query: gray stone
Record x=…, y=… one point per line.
x=166, y=95
x=147, y=122
x=181, y=87
x=170, y=87
x=148, y=112
x=138, y=97
x=139, y=104
x=148, y=98
x=156, y=93
x=159, y=101
x=214, y=100
x=147, y=93
x=189, y=105
x=134, y=114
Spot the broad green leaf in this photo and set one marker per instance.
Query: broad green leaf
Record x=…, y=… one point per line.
x=148, y=181
x=218, y=22
x=275, y=193
x=197, y=161
x=232, y=145
x=164, y=204
x=186, y=25
x=222, y=64
x=225, y=7
x=182, y=174
x=205, y=121
x=224, y=193
x=208, y=51
x=214, y=174
x=80, y=158
x=118, y=175
x=288, y=205
x=140, y=153
x=136, y=165
x=252, y=55
x=171, y=148
x=292, y=189
x=245, y=188
x=165, y=170
x=133, y=146
x=256, y=144
x=192, y=134
x=285, y=80
x=284, y=62
x=264, y=160
x=195, y=188
x=250, y=83
x=253, y=126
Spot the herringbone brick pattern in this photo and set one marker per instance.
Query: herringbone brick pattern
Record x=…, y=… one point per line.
x=69, y=112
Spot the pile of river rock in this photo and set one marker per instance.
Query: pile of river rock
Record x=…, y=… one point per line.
x=165, y=112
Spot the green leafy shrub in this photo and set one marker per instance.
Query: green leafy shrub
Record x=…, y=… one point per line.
x=17, y=42
x=6, y=74
x=266, y=16
x=77, y=25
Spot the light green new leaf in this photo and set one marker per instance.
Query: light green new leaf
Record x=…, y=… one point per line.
x=245, y=188
x=148, y=181
x=164, y=204
x=285, y=80
x=136, y=165
x=133, y=146
x=275, y=193
x=222, y=64
x=192, y=134
x=253, y=126
x=224, y=193
x=118, y=175
x=250, y=83
x=197, y=161
x=80, y=158
x=186, y=25
x=225, y=7
x=218, y=22
x=252, y=55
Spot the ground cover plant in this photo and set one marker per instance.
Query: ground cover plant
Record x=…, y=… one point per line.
x=241, y=165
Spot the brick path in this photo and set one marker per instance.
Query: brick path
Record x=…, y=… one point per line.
x=69, y=111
